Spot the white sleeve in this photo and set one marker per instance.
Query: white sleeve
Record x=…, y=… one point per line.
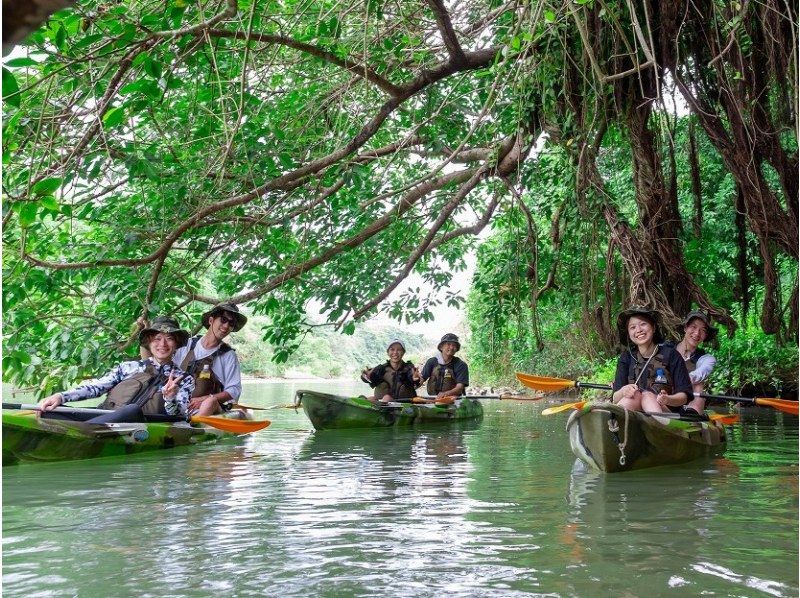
x=704, y=367
x=226, y=369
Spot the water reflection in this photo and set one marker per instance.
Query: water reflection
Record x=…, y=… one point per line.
x=490, y=508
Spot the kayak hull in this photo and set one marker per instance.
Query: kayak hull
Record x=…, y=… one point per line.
x=647, y=440
x=332, y=412
x=26, y=438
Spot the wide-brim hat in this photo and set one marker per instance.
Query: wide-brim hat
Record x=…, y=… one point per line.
x=239, y=317
x=449, y=338
x=711, y=335
x=395, y=341
x=648, y=314
x=166, y=325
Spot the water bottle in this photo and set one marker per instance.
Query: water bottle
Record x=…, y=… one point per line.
x=660, y=382
x=206, y=373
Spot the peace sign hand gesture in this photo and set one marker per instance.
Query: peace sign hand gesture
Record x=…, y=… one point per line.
x=170, y=388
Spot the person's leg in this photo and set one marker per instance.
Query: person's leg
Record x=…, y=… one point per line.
x=650, y=404
x=127, y=414
x=209, y=406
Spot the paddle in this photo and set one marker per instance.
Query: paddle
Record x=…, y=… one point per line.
x=723, y=418
x=505, y=397
x=235, y=426
x=556, y=384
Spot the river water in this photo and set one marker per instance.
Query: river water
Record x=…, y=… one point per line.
x=494, y=508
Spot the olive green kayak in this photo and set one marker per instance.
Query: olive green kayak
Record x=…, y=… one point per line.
x=329, y=412
x=609, y=438
x=27, y=438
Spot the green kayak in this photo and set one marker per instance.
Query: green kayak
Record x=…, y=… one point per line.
x=328, y=412
x=609, y=438
x=26, y=438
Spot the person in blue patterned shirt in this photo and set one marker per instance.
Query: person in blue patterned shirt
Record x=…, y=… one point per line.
x=135, y=389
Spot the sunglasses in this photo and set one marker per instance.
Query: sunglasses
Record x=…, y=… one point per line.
x=228, y=320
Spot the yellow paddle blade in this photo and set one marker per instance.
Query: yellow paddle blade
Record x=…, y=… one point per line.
x=421, y=400
x=790, y=407
x=564, y=407
x=235, y=426
x=545, y=384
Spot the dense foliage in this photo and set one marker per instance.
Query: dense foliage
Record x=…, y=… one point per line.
x=164, y=156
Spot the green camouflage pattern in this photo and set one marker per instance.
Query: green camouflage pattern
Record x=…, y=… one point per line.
x=27, y=438
x=332, y=412
x=649, y=440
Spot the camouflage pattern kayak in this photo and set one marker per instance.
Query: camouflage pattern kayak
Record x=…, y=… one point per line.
x=609, y=438
x=26, y=438
x=328, y=412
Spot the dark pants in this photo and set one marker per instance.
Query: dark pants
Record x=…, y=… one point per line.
x=128, y=414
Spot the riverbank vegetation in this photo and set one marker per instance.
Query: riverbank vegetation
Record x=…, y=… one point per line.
x=164, y=157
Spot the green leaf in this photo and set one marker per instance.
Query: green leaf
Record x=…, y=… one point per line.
x=10, y=88
x=21, y=62
x=47, y=186
x=113, y=117
x=49, y=202
x=549, y=16
x=27, y=213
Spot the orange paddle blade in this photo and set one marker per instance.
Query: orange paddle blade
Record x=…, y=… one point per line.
x=564, y=407
x=544, y=383
x=790, y=407
x=723, y=418
x=235, y=426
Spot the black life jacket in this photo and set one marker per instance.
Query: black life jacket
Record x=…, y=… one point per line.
x=443, y=377
x=646, y=379
x=205, y=381
x=143, y=388
x=399, y=383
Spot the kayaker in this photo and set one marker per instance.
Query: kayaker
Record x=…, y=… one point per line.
x=213, y=363
x=651, y=375
x=395, y=380
x=697, y=330
x=138, y=388
x=446, y=374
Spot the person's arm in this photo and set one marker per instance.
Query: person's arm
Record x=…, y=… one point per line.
x=177, y=393
x=705, y=365
x=681, y=384
x=621, y=388
x=427, y=369
x=227, y=370
x=87, y=390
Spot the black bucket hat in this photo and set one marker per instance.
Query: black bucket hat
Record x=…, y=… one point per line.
x=230, y=308
x=650, y=315
x=166, y=325
x=449, y=338
x=711, y=336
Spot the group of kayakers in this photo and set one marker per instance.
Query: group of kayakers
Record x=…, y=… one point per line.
x=183, y=376
x=654, y=375
x=177, y=375
x=445, y=375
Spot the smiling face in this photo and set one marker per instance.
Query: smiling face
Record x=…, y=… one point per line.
x=448, y=349
x=695, y=333
x=395, y=352
x=162, y=347
x=640, y=331
x=221, y=325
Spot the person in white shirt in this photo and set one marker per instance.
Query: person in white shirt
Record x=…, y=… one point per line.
x=697, y=330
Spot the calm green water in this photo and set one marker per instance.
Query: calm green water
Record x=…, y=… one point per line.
x=496, y=508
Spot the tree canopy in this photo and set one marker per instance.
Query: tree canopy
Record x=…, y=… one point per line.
x=163, y=156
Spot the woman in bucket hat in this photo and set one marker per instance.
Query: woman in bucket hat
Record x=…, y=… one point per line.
x=696, y=330
x=138, y=388
x=395, y=380
x=446, y=374
x=651, y=375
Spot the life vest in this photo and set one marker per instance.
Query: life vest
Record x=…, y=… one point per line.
x=647, y=380
x=399, y=383
x=205, y=381
x=149, y=381
x=691, y=363
x=443, y=377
